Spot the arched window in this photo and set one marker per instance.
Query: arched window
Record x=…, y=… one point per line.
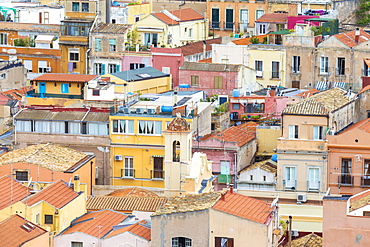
x=181, y=242
x=176, y=151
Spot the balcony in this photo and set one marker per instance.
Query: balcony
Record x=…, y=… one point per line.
x=128, y=173
x=224, y=179
x=290, y=185
x=215, y=25
x=365, y=181
x=275, y=74
x=313, y=185
x=52, y=95
x=345, y=180
x=157, y=174
x=229, y=25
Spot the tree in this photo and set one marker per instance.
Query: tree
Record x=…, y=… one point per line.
x=254, y=40
x=363, y=12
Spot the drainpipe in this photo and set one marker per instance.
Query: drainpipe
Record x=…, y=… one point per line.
x=235, y=166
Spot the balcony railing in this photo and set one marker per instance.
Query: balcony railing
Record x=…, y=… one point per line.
x=313, y=185
x=215, y=25
x=229, y=25
x=157, y=174
x=345, y=180
x=290, y=184
x=365, y=181
x=128, y=173
x=53, y=95
x=275, y=74
x=224, y=179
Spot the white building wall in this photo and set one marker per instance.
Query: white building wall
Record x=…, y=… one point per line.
x=66, y=240
x=107, y=94
x=49, y=15
x=126, y=239
x=231, y=54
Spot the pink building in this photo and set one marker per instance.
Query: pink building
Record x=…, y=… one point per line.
x=230, y=151
x=257, y=107
x=135, y=60
x=346, y=220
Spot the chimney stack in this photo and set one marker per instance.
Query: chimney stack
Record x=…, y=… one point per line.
x=231, y=190
x=357, y=35
x=223, y=197
x=175, y=98
x=76, y=183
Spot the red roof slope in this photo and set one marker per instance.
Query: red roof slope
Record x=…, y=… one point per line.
x=349, y=37
x=88, y=223
x=245, y=207
x=241, y=134
x=57, y=194
x=364, y=89
x=197, y=47
x=133, y=191
x=308, y=93
x=14, y=231
x=274, y=18
x=182, y=14
x=362, y=125
x=11, y=191
x=138, y=229
x=65, y=77
x=246, y=41
x=16, y=94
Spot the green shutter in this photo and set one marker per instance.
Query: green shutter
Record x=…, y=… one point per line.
x=224, y=179
x=103, y=69
x=118, y=68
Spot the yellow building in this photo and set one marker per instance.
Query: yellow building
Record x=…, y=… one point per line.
x=52, y=208
x=141, y=81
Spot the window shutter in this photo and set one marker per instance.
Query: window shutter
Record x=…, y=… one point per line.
x=103, y=69
x=118, y=68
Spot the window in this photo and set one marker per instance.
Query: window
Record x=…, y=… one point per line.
x=75, y=6
x=195, y=81
x=42, y=126
x=366, y=71
x=75, y=28
x=275, y=70
x=346, y=171
x=99, y=69
x=264, y=178
x=290, y=177
x=324, y=65
x=259, y=13
x=296, y=64
x=137, y=18
x=366, y=213
x=293, y=131
x=341, y=65
x=236, y=106
x=251, y=177
x=129, y=167
x=224, y=242
x=158, y=168
x=229, y=19
x=98, y=44
x=21, y=175
x=123, y=126
x=28, y=65
x=366, y=177
x=85, y=7
x=48, y=219
x=37, y=219
x=74, y=55
x=64, y=88
x=181, y=242
x=136, y=66
x=3, y=39
x=244, y=16
x=58, y=127
x=150, y=39
x=216, y=18
x=77, y=244
x=97, y=129
x=190, y=33
x=217, y=82
x=113, y=68
x=42, y=66
x=23, y=125
x=313, y=178
x=112, y=44
x=262, y=29
x=150, y=127
x=318, y=132
x=258, y=66
x=96, y=92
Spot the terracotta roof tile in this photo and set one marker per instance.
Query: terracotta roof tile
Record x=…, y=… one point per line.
x=89, y=223
x=245, y=207
x=349, y=37
x=241, y=134
x=11, y=191
x=321, y=103
x=126, y=203
x=364, y=89
x=187, y=14
x=267, y=165
x=49, y=156
x=14, y=231
x=16, y=94
x=197, y=47
x=310, y=240
x=165, y=18
x=246, y=41
x=65, y=77
x=359, y=200
x=362, y=125
x=273, y=18
x=307, y=93
x=111, y=28
x=138, y=229
x=57, y=194
x=206, y=60
x=133, y=191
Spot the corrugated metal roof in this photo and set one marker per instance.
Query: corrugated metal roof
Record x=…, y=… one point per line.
x=145, y=73
x=29, y=114
x=217, y=67
x=97, y=117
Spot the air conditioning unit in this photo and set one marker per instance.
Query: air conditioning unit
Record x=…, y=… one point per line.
x=259, y=74
x=48, y=69
x=118, y=157
x=295, y=233
x=151, y=111
x=126, y=110
x=139, y=110
x=301, y=198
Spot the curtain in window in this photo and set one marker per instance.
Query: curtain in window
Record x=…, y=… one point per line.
x=123, y=128
x=57, y=127
x=150, y=129
x=93, y=129
x=142, y=127
x=42, y=126
x=158, y=128
x=74, y=128
x=130, y=126
x=103, y=130
x=23, y=125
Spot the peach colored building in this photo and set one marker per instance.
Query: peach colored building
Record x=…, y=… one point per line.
x=346, y=220
x=349, y=159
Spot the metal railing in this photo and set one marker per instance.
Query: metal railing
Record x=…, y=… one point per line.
x=290, y=184
x=52, y=95
x=215, y=25
x=345, y=180
x=365, y=181
x=157, y=174
x=313, y=185
x=275, y=74
x=128, y=173
x=229, y=25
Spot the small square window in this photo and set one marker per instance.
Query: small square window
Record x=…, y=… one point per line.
x=48, y=219
x=96, y=92
x=251, y=177
x=21, y=175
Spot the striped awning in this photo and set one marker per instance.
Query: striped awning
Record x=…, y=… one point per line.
x=321, y=85
x=339, y=84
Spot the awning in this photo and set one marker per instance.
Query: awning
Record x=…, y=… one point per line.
x=367, y=61
x=150, y=29
x=42, y=38
x=281, y=32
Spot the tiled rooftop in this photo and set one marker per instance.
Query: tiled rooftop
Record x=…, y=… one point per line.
x=140, y=229
x=55, y=115
x=125, y=203
x=187, y=14
x=245, y=207
x=16, y=94
x=11, y=191
x=362, y=125
x=189, y=203
x=246, y=41
x=308, y=93
x=65, y=77
x=359, y=200
x=57, y=194
x=16, y=231
x=48, y=156
x=241, y=134
x=213, y=67
x=197, y=47
x=133, y=192
x=111, y=28
x=178, y=124
x=34, y=27
x=273, y=18
x=146, y=73
x=267, y=165
x=89, y=222
x=320, y=104
x=349, y=37
x=310, y=240
x=364, y=89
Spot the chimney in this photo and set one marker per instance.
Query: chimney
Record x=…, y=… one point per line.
x=204, y=49
x=76, y=183
x=175, y=98
x=231, y=190
x=357, y=35
x=223, y=198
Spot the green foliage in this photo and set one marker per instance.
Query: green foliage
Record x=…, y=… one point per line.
x=254, y=40
x=21, y=42
x=264, y=40
x=222, y=108
x=363, y=12
x=132, y=36
x=319, y=30
x=133, y=3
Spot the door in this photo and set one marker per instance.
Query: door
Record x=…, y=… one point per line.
x=313, y=178
x=215, y=18
x=229, y=19
x=243, y=20
x=42, y=89
x=296, y=84
x=290, y=177
x=158, y=167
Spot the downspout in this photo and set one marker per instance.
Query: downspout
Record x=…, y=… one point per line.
x=235, y=172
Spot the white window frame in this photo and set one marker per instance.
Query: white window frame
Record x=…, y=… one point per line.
x=149, y=127
x=112, y=68
x=97, y=129
x=293, y=132
x=74, y=51
x=123, y=126
x=318, y=133
x=315, y=183
x=296, y=64
x=128, y=166
x=23, y=125
x=259, y=15
x=3, y=39
x=290, y=181
x=98, y=68
x=324, y=65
